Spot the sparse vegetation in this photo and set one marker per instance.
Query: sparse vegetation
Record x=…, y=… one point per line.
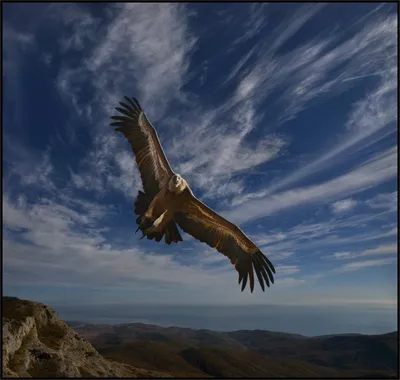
x=244, y=353
x=43, y=368
x=15, y=309
x=51, y=335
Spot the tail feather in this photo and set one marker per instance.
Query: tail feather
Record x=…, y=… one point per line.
x=171, y=231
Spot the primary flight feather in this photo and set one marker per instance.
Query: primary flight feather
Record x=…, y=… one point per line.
x=167, y=200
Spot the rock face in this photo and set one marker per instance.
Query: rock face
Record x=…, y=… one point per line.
x=36, y=343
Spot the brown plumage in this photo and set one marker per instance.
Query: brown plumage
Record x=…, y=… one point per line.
x=167, y=200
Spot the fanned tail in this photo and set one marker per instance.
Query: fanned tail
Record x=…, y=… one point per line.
x=172, y=233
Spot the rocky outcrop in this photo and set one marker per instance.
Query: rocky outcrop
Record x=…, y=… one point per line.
x=36, y=343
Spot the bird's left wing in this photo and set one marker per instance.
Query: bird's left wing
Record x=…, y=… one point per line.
x=204, y=224
x=153, y=165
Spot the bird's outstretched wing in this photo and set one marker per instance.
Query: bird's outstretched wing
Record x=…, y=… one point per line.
x=204, y=224
x=153, y=165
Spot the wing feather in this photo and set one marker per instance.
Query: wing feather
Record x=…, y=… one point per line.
x=154, y=168
x=204, y=224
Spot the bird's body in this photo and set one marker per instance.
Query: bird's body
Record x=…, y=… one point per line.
x=168, y=201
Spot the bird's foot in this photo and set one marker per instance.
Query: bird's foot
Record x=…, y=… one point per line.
x=150, y=233
x=150, y=229
x=144, y=223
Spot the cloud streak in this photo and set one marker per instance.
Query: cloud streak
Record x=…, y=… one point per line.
x=343, y=205
x=384, y=249
x=349, y=267
x=382, y=167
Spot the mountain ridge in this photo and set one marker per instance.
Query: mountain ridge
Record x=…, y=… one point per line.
x=36, y=343
x=208, y=351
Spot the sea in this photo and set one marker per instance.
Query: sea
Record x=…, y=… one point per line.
x=304, y=320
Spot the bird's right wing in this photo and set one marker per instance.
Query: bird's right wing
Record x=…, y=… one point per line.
x=153, y=165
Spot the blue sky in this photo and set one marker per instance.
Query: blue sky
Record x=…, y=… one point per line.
x=268, y=111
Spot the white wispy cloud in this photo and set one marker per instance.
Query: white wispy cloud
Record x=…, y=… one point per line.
x=356, y=265
x=343, y=205
x=80, y=27
x=287, y=269
x=353, y=266
x=383, y=249
x=263, y=239
x=327, y=233
x=264, y=52
x=384, y=201
x=358, y=54
x=213, y=161
x=380, y=250
x=298, y=247
x=308, y=76
x=255, y=21
x=342, y=255
x=378, y=169
x=371, y=119
x=132, y=49
x=31, y=167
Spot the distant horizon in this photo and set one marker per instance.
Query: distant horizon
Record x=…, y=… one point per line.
x=300, y=319
x=168, y=326
x=381, y=303
x=387, y=304
x=307, y=320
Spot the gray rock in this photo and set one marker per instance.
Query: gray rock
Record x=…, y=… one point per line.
x=36, y=343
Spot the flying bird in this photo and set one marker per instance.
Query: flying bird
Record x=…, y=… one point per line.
x=168, y=201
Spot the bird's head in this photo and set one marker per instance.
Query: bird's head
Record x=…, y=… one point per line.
x=176, y=184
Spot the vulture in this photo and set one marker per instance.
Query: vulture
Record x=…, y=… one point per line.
x=168, y=201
